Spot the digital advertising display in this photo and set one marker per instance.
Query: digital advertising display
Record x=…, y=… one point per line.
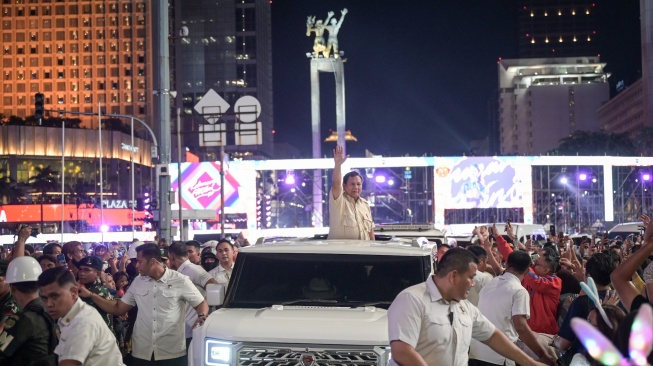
x=201, y=189
x=482, y=182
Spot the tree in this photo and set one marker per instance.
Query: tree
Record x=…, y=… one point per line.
x=643, y=140
x=45, y=180
x=79, y=192
x=8, y=188
x=587, y=143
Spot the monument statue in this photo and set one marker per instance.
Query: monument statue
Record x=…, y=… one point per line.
x=332, y=44
x=318, y=27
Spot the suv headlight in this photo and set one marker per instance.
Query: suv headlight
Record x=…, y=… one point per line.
x=219, y=353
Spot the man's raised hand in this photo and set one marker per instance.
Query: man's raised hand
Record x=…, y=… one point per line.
x=339, y=156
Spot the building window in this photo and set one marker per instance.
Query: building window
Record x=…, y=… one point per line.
x=99, y=22
x=72, y=9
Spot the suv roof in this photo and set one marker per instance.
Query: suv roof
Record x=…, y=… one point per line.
x=362, y=247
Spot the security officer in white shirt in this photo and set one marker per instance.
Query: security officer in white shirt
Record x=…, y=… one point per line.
x=160, y=293
x=226, y=256
x=433, y=324
x=85, y=338
x=506, y=303
x=178, y=256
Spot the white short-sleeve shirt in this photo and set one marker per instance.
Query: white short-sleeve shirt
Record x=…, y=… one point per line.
x=419, y=317
x=86, y=338
x=480, y=280
x=159, y=328
x=199, y=277
x=222, y=275
x=349, y=218
x=499, y=300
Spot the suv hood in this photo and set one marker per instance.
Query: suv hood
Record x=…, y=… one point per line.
x=301, y=324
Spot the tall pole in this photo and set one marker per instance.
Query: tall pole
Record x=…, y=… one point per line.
x=63, y=173
x=99, y=124
x=161, y=119
x=133, y=202
x=181, y=218
x=318, y=219
x=222, y=173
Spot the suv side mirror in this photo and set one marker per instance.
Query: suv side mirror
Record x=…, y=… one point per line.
x=215, y=294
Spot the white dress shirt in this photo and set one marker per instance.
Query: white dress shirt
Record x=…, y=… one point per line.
x=86, y=338
x=159, y=325
x=420, y=317
x=222, y=275
x=199, y=277
x=499, y=300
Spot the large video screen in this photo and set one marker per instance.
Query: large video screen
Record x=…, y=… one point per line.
x=482, y=182
x=200, y=187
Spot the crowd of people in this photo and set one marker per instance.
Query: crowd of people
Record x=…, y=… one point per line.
x=502, y=302
x=497, y=301
x=72, y=306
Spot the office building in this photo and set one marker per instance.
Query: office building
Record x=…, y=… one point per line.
x=632, y=108
x=227, y=49
x=78, y=54
x=542, y=101
x=557, y=28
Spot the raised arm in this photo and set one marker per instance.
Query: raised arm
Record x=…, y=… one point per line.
x=19, y=246
x=502, y=244
x=339, y=158
x=622, y=275
x=113, y=307
x=496, y=266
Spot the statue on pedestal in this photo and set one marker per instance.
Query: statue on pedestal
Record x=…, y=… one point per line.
x=318, y=27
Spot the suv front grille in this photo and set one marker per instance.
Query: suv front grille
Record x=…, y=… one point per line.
x=255, y=356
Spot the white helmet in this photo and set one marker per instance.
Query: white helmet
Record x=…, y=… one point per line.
x=23, y=269
x=131, y=252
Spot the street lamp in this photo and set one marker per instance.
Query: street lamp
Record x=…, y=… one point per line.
x=646, y=177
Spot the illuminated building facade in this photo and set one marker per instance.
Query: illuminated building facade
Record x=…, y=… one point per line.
x=542, y=101
x=228, y=49
x=557, y=28
x=77, y=53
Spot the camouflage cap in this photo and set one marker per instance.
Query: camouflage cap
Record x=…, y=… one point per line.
x=91, y=261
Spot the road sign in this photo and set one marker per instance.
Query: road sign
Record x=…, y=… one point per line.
x=212, y=106
x=213, y=135
x=248, y=109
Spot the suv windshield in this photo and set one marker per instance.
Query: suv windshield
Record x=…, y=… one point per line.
x=265, y=279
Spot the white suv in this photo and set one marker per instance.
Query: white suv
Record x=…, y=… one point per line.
x=308, y=303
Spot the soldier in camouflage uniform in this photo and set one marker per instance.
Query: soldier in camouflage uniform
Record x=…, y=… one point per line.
x=8, y=306
x=90, y=269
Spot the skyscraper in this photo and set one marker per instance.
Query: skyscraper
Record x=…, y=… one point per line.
x=542, y=101
x=78, y=54
x=557, y=28
x=228, y=49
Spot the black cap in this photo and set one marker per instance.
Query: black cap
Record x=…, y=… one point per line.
x=209, y=254
x=91, y=261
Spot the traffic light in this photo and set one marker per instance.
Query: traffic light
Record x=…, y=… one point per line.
x=39, y=106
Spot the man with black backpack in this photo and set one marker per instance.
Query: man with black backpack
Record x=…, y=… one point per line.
x=27, y=338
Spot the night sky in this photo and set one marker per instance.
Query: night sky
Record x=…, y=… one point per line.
x=419, y=77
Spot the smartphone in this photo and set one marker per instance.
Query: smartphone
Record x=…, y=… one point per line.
x=61, y=259
x=552, y=230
